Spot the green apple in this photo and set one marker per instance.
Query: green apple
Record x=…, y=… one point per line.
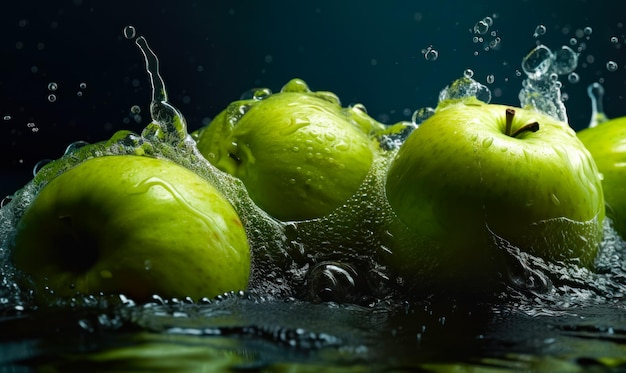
x=476, y=174
x=133, y=225
x=607, y=144
x=299, y=153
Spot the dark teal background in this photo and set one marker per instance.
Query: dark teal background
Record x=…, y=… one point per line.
x=213, y=51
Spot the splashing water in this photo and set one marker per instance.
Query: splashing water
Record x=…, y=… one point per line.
x=595, y=91
x=336, y=259
x=541, y=89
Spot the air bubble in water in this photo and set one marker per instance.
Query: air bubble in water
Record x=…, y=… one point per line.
x=430, y=54
x=129, y=32
x=82, y=85
x=490, y=78
x=588, y=30
x=539, y=30
x=52, y=97
x=614, y=39
x=565, y=60
x=537, y=63
x=481, y=27
x=7, y=117
x=52, y=86
x=611, y=66
x=468, y=73
x=573, y=78
x=332, y=281
x=135, y=109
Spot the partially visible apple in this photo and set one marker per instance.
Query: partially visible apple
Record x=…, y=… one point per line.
x=299, y=153
x=474, y=174
x=607, y=144
x=133, y=225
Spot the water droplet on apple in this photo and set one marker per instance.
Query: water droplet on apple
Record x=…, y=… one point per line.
x=487, y=142
x=262, y=93
x=555, y=199
x=71, y=148
x=39, y=165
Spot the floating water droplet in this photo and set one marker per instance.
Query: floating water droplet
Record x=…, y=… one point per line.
x=52, y=86
x=481, y=27
x=129, y=32
x=565, y=60
x=537, y=63
x=52, y=97
x=611, y=66
x=430, y=54
x=573, y=78
x=539, y=30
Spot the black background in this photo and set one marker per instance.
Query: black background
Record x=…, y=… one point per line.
x=213, y=51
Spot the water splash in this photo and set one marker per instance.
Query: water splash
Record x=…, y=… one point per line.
x=541, y=89
x=465, y=87
x=595, y=91
x=171, y=123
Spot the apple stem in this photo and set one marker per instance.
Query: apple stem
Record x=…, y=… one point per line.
x=510, y=113
x=532, y=127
